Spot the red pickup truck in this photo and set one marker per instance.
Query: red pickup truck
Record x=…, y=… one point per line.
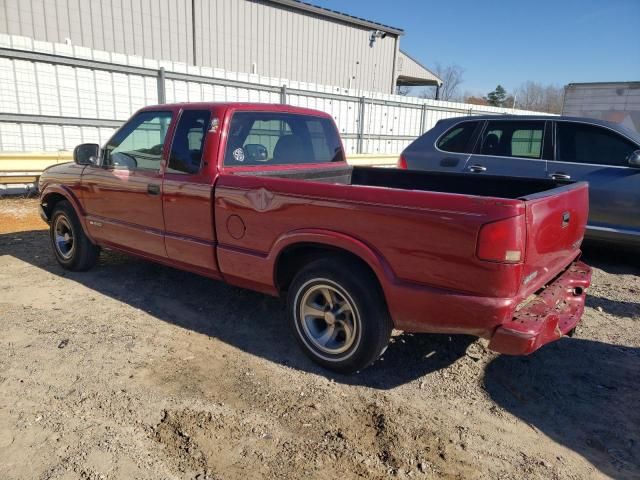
x=260, y=196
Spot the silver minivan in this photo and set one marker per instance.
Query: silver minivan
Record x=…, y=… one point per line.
x=563, y=148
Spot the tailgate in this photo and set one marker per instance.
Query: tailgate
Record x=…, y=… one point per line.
x=556, y=221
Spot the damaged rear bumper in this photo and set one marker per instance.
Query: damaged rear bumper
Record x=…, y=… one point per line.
x=552, y=313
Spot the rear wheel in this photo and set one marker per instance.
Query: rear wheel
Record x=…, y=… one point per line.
x=338, y=315
x=72, y=248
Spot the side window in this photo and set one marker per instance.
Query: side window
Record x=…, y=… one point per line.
x=513, y=139
x=581, y=143
x=188, y=142
x=261, y=138
x=138, y=145
x=457, y=140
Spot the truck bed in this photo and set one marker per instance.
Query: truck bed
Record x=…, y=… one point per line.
x=481, y=185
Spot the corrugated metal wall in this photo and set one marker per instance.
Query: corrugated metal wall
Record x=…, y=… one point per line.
x=160, y=29
x=288, y=43
x=229, y=34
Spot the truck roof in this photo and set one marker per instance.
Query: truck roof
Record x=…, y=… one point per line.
x=250, y=106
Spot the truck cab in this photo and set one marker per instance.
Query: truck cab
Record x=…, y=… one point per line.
x=150, y=190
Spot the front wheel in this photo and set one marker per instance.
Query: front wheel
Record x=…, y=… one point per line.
x=338, y=315
x=72, y=248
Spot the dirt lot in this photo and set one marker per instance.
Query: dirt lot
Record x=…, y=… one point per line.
x=134, y=370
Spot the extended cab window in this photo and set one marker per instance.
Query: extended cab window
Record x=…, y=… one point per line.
x=138, y=145
x=458, y=139
x=513, y=139
x=581, y=143
x=262, y=138
x=188, y=142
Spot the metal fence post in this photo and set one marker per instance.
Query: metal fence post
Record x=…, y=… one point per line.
x=423, y=118
x=359, y=147
x=283, y=94
x=162, y=95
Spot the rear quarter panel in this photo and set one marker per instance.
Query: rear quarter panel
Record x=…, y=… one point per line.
x=424, y=238
x=423, y=154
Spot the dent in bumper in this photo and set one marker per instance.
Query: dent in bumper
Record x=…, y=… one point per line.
x=550, y=315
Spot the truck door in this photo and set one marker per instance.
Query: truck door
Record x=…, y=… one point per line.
x=598, y=155
x=511, y=148
x=122, y=197
x=188, y=192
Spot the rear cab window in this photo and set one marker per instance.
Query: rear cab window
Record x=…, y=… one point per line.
x=458, y=139
x=520, y=139
x=274, y=138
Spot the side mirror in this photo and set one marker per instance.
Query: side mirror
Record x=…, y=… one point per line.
x=87, y=154
x=634, y=159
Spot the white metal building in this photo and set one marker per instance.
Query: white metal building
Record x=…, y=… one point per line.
x=274, y=38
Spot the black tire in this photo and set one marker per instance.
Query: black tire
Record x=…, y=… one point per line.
x=72, y=248
x=363, y=330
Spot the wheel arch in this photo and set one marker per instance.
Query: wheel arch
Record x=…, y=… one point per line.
x=54, y=194
x=297, y=249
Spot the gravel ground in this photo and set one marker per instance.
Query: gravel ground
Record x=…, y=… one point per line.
x=134, y=370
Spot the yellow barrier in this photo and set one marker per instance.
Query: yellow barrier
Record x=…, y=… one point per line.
x=25, y=167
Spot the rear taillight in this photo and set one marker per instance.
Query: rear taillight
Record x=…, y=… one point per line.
x=402, y=162
x=503, y=241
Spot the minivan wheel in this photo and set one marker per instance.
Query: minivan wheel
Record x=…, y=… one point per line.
x=338, y=315
x=72, y=248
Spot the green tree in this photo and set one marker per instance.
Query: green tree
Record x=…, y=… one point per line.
x=498, y=97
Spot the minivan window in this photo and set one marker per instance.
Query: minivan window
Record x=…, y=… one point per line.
x=264, y=138
x=188, y=141
x=513, y=139
x=458, y=138
x=582, y=143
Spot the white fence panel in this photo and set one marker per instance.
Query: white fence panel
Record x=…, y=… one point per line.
x=44, y=79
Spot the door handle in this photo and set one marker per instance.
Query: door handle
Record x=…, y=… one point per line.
x=477, y=168
x=560, y=176
x=153, y=189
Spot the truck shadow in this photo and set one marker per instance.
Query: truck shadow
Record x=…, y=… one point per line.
x=615, y=307
x=250, y=321
x=581, y=393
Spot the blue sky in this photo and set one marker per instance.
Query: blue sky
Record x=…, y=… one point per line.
x=510, y=42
